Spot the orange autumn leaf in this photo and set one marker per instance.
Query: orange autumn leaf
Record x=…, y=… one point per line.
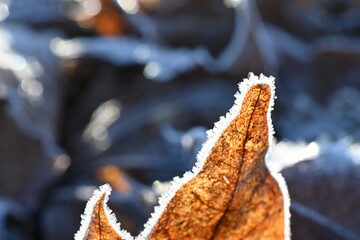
x=98, y=223
x=230, y=193
x=107, y=21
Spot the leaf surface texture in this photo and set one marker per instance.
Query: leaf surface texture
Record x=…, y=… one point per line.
x=230, y=194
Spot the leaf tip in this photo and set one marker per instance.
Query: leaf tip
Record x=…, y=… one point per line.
x=213, y=136
x=100, y=197
x=86, y=217
x=270, y=81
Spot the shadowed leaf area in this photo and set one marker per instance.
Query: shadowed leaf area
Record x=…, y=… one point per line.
x=234, y=196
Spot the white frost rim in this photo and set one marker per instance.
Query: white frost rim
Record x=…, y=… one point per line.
x=86, y=217
x=213, y=135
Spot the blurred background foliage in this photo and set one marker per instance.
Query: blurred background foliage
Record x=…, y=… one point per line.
x=123, y=91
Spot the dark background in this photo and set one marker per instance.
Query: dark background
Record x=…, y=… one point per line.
x=95, y=91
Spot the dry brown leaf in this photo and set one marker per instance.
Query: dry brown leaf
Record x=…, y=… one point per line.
x=98, y=223
x=108, y=21
x=230, y=194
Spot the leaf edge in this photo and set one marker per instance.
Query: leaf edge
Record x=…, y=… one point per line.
x=212, y=136
x=88, y=212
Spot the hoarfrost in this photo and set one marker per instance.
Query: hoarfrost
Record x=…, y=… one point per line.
x=161, y=64
x=86, y=217
x=286, y=154
x=331, y=156
x=177, y=183
x=213, y=136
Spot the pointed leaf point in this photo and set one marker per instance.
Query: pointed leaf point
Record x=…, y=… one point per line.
x=232, y=192
x=98, y=221
x=253, y=83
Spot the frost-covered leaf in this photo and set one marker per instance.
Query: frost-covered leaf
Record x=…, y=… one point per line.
x=230, y=193
x=98, y=221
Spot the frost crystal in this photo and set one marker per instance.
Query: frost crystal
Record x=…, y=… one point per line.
x=213, y=136
x=177, y=183
x=86, y=217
